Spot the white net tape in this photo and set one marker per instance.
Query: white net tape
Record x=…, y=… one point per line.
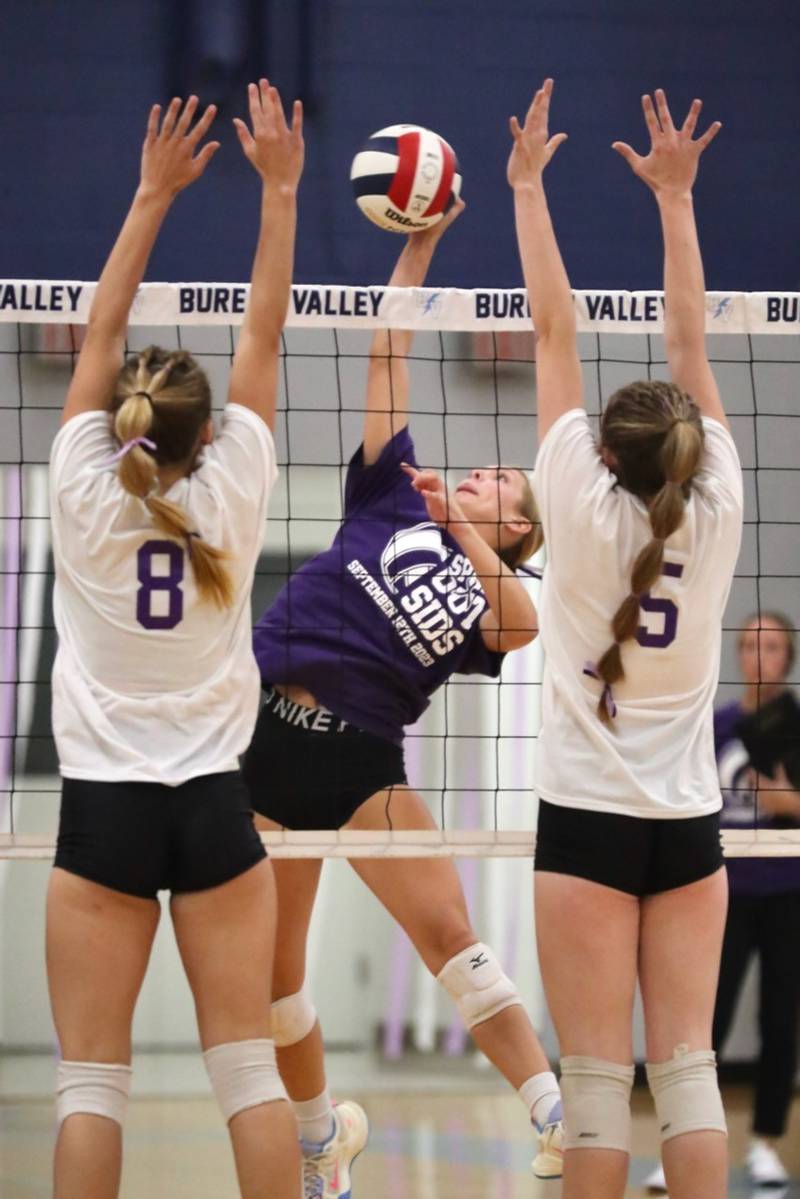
x=472, y=754
x=443, y=309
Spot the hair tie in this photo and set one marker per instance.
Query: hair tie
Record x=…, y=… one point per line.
x=128, y=446
x=146, y=395
x=188, y=539
x=607, y=696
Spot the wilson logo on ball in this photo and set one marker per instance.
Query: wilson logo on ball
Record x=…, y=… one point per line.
x=405, y=178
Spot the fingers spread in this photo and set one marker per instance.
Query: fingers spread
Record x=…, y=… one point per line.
x=245, y=136
x=254, y=103
x=709, y=135
x=297, y=119
x=201, y=161
x=650, y=117
x=170, y=117
x=664, y=115
x=203, y=125
x=152, y=122
x=627, y=152
x=186, y=116
x=277, y=110
x=691, y=118
x=513, y=125
x=555, y=141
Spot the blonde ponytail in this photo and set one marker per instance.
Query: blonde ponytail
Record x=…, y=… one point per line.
x=656, y=435
x=163, y=400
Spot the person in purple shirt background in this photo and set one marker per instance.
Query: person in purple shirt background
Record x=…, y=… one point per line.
x=417, y=585
x=764, y=907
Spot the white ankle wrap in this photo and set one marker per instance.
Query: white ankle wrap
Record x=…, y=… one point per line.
x=92, y=1088
x=243, y=1074
x=293, y=1017
x=473, y=979
x=686, y=1093
x=597, y=1103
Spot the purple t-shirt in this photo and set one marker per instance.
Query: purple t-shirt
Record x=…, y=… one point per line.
x=373, y=625
x=747, y=876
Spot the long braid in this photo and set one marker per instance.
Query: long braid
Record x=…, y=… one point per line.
x=672, y=418
x=151, y=403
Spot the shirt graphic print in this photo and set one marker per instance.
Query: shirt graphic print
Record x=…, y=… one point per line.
x=375, y=624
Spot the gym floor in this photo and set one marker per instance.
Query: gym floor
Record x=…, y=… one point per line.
x=439, y=1129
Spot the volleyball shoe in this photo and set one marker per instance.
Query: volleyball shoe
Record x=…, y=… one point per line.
x=549, y=1161
x=764, y=1166
x=656, y=1180
x=326, y=1167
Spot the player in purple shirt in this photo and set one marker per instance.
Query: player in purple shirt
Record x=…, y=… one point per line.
x=764, y=905
x=417, y=585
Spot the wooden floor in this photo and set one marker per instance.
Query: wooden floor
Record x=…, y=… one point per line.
x=422, y=1146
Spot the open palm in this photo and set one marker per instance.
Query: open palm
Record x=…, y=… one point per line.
x=671, y=164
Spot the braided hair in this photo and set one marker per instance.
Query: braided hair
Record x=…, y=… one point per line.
x=655, y=434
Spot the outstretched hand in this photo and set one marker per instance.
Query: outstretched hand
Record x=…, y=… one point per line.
x=431, y=235
x=442, y=507
x=671, y=164
x=275, y=149
x=533, y=147
x=169, y=161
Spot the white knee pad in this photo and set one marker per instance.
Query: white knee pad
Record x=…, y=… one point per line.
x=243, y=1074
x=293, y=1017
x=597, y=1103
x=686, y=1093
x=92, y=1088
x=474, y=980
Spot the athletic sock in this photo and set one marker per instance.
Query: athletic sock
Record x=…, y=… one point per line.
x=315, y=1120
x=541, y=1096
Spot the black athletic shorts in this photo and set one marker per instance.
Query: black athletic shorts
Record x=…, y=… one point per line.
x=307, y=769
x=640, y=856
x=141, y=838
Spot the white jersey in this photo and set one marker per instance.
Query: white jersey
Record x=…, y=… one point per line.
x=151, y=684
x=658, y=759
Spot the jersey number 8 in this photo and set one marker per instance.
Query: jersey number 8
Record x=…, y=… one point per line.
x=159, y=584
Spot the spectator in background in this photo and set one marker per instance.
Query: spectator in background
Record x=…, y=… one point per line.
x=764, y=910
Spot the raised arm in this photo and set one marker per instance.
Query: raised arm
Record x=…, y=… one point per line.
x=276, y=152
x=559, y=380
x=386, y=411
x=169, y=163
x=669, y=170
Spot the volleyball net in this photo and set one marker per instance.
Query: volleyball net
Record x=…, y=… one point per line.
x=473, y=402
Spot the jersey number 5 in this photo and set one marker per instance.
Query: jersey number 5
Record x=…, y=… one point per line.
x=164, y=585
x=663, y=607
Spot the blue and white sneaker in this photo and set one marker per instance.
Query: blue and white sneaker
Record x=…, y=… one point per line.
x=549, y=1161
x=326, y=1167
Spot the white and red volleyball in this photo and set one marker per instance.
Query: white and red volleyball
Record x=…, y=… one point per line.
x=405, y=178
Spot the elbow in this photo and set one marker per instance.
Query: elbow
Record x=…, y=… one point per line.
x=556, y=332
x=100, y=323
x=511, y=639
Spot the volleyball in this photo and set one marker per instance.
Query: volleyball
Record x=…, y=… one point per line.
x=405, y=178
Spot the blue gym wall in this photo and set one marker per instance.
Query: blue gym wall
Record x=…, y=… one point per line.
x=78, y=77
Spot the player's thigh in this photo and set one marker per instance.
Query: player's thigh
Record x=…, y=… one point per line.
x=587, y=936
x=679, y=956
x=296, y=885
x=98, y=945
x=226, y=938
x=424, y=895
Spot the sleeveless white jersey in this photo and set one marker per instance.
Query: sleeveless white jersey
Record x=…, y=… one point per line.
x=658, y=759
x=151, y=684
